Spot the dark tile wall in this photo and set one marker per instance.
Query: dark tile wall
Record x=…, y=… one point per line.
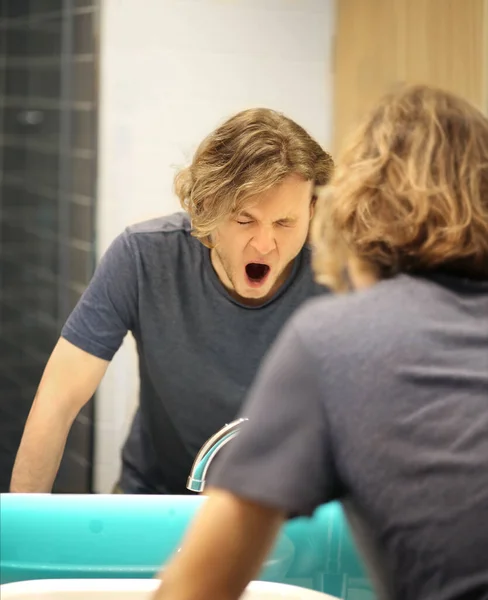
x=48, y=121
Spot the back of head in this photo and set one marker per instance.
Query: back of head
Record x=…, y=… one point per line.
x=247, y=155
x=410, y=192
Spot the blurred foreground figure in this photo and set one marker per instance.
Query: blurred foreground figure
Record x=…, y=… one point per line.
x=377, y=397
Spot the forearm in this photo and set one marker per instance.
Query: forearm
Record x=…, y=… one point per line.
x=40, y=451
x=224, y=550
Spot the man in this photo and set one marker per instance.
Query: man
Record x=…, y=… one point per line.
x=377, y=398
x=204, y=294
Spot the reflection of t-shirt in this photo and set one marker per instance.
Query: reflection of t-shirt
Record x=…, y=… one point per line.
x=199, y=349
x=380, y=399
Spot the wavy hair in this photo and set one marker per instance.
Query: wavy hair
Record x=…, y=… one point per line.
x=248, y=154
x=409, y=193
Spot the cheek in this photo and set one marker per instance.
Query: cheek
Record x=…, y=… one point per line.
x=240, y=240
x=234, y=245
x=293, y=241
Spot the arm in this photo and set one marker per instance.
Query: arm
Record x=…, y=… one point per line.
x=91, y=336
x=280, y=464
x=69, y=381
x=223, y=551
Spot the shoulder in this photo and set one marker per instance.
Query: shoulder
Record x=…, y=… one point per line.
x=162, y=237
x=360, y=319
x=177, y=223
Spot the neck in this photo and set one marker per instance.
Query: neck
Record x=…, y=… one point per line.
x=228, y=285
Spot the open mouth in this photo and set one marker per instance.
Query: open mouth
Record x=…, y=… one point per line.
x=257, y=273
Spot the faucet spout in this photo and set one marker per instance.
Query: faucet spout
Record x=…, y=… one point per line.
x=204, y=458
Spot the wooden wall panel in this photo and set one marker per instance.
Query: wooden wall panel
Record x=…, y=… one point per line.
x=380, y=43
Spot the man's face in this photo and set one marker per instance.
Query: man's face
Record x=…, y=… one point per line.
x=254, y=250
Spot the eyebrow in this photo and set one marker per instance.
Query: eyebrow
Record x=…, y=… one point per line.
x=289, y=219
x=245, y=215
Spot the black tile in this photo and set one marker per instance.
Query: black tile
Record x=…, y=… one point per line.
x=84, y=78
x=8, y=388
x=23, y=377
x=81, y=222
x=11, y=195
x=9, y=444
x=17, y=197
x=13, y=122
x=83, y=176
x=41, y=339
x=74, y=475
x=42, y=168
x=45, y=82
x=80, y=439
x=12, y=318
x=80, y=265
x=31, y=372
x=16, y=82
x=3, y=40
x=17, y=40
x=41, y=215
x=25, y=8
x=47, y=299
x=47, y=217
x=73, y=297
x=87, y=413
x=83, y=129
x=12, y=279
x=13, y=415
x=45, y=37
x=47, y=254
x=40, y=297
x=37, y=82
x=83, y=34
x=37, y=126
x=84, y=3
x=9, y=352
x=14, y=160
x=16, y=8
x=32, y=252
x=36, y=340
x=14, y=233
x=34, y=38
x=44, y=6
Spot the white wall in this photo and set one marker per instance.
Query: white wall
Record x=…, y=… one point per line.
x=172, y=70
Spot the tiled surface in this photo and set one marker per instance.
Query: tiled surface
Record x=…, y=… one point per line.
x=47, y=200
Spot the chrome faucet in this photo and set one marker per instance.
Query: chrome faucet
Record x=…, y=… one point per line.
x=204, y=458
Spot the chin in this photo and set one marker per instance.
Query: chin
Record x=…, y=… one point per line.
x=256, y=293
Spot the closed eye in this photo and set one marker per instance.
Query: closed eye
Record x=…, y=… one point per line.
x=285, y=223
x=243, y=222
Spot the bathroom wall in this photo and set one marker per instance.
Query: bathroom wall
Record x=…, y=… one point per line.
x=47, y=199
x=170, y=72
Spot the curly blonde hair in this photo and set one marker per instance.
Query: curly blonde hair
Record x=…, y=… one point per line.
x=409, y=193
x=248, y=154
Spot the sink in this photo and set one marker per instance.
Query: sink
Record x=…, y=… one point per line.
x=137, y=589
x=119, y=536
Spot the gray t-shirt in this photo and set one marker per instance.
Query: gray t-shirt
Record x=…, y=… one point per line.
x=380, y=399
x=199, y=349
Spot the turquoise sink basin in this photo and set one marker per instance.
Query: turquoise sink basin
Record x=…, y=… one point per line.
x=45, y=536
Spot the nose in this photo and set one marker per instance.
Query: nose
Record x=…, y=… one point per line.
x=263, y=241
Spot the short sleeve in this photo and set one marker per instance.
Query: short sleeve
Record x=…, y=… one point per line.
x=282, y=456
x=107, y=309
